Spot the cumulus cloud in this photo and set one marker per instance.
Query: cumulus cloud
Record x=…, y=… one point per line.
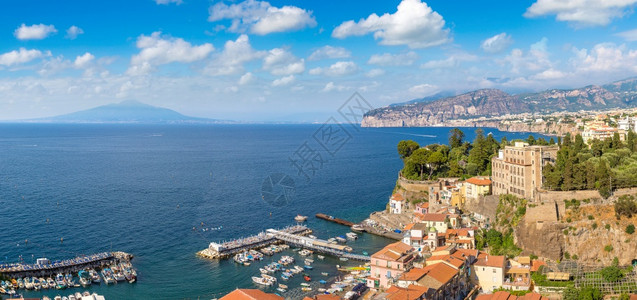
x=629, y=35
x=340, y=68
x=281, y=62
x=329, y=52
x=423, y=89
x=166, y=2
x=283, y=80
x=157, y=50
x=581, y=12
x=19, y=56
x=375, y=73
x=606, y=58
x=73, y=32
x=234, y=55
x=413, y=24
x=387, y=59
x=84, y=60
x=331, y=86
x=452, y=61
x=261, y=18
x=537, y=58
x=496, y=43
x=246, y=78
x=34, y=32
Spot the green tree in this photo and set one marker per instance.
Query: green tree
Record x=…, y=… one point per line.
x=630, y=229
x=456, y=138
x=590, y=293
x=602, y=175
x=552, y=141
x=612, y=274
x=406, y=148
x=631, y=140
x=617, y=142
x=419, y=160
x=579, y=143
x=531, y=140
x=435, y=161
x=570, y=293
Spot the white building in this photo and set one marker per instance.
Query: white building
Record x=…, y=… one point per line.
x=396, y=204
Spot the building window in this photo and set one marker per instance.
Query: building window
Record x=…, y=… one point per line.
x=493, y=270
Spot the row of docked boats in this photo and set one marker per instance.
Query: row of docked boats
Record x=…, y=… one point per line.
x=247, y=257
x=272, y=249
x=112, y=274
x=76, y=296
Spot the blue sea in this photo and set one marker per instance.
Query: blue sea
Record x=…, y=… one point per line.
x=161, y=193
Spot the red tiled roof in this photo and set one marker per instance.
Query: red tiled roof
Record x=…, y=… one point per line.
x=442, y=273
x=397, y=197
x=393, y=251
x=535, y=265
x=423, y=205
x=250, y=294
x=414, y=274
x=433, y=217
x=478, y=181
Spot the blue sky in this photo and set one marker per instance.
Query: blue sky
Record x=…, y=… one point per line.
x=300, y=60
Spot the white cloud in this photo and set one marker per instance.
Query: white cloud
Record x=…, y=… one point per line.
x=329, y=52
x=550, y=74
x=387, y=59
x=19, y=56
x=496, y=43
x=281, y=62
x=413, y=24
x=246, y=78
x=34, y=32
x=261, y=18
x=73, y=32
x=423, y=89
x=581, y=12
x=339, y=68
x=452, y=61
x=166, y=2
x=234, y=55
x=375, y=73
x=283, y=80
x=629, y=35
x=156, y=50
x=330, y=86
x=606, y=58
x=84, y=60
x=534, y=60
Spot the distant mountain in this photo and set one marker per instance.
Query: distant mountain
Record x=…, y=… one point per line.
x=493, y=102
x=129, y=111
x=431, y=98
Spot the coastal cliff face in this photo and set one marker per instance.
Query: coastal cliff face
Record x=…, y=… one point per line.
x=488, y=103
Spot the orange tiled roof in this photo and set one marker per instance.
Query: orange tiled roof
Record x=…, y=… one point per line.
x=412, y=292
x=535, y=265
x=423, y=205
x=397, y=197
x=433, y=217
x=414, y=274
x=250, y=294
x=409, y=226
x=393, y=251
x=442, y=273
x=495, y=261
x=478, y=181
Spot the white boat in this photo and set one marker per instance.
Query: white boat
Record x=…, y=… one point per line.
x=343, y=259
x=325, y=274
x=351, y=235
x=321, y=257
x=358, y=228
x=309, y=260
x=300, y=218
x=283, y=286
x=312, y=237
x=261, y=281
x=340, y=239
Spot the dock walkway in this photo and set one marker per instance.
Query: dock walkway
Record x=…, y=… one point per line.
x=63, y=266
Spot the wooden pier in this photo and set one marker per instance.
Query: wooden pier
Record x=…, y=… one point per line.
x=335, y=220
x=16, y=270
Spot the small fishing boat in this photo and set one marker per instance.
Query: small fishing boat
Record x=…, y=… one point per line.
x=300, y=218
x=85, y=278
x=365, y=253
x=95, y=277
x=282, y=290
x=358, y=228
x=284, y=277
x=321, y=290
x=306, y=289
x=341, y=239
x=269, y=278
x=261, y=281
x=283, y=286
x=322, y=281
x=308, y=267
x=321, y=257
x=309, y=260
x=325, y=274
x=343, y=259
x=307, y=278
x=351, y=235
x=305, y=284
x=59, y=281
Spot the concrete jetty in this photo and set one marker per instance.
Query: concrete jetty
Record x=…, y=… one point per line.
x=46, y=268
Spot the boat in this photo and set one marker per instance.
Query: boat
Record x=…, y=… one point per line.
x=365, y=253
x=341, y=239
x=261, y=281
x=94, y=276
x=305, y=284
x=321, y=290
x=358, y=228
x=325, y=274
x=69, y=280
x=269, y=278
x=300, y=218
x=321, y=257
x=351, y=235
x=306, y=289
x=322, y=281
x=59, y=281
x=285, y=277
x=50, y=282
x=282, y=290
x=312, y=237
x=308, y=267
x=307, y=278
x=85, y=278
x=343, y=259
x=309, y=260
x=332, y=241
x=283, y=286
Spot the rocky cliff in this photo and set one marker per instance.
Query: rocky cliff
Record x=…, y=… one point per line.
x=491, y=102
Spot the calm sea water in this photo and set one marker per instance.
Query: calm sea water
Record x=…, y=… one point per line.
x=142, y=189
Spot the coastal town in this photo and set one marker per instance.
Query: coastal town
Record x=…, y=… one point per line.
x=457, y=235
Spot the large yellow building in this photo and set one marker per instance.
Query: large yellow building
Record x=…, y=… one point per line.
x=517, y=169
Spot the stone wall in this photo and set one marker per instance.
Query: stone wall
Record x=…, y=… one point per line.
x=552, y=196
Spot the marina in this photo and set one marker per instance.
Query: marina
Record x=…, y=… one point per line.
x=45, y=267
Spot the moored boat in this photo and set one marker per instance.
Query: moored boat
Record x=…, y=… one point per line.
x=300, y=218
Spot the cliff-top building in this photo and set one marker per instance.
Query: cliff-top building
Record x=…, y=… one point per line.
x=517, y=169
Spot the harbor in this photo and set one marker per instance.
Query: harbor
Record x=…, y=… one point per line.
x=367, y=225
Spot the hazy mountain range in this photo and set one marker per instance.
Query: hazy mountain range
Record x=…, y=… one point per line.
x=493, y=102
